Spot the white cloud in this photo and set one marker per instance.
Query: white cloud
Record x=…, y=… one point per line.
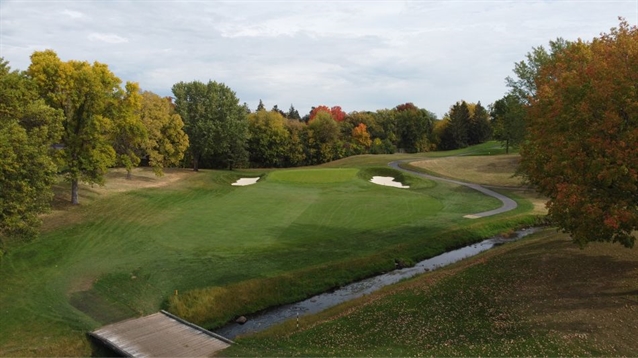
x=360, y=55
x=73, y=14
x=108, y=38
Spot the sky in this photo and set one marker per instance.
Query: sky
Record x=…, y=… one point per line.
x=360, y=55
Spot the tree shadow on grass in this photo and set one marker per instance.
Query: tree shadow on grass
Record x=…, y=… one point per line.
x=331, y=244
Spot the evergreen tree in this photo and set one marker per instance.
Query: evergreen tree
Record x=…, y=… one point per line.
x=246, y=108
x=479, y=130
x=293, y=113
x=459, y=124
x=260, y=106
x=276, y=109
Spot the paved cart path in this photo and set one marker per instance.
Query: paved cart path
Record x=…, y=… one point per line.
x=508, y=204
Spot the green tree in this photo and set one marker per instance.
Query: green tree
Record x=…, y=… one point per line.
x=293, y=113
x=296, y=154
x=269, y=140
x=275, y=108
x=214, y=121
x=479, y=130
x=524, y=84
x=129, y=134
x=367, y=118
x=323, y=135
x=28, y=129
x=414, y=126
x=439, y=129
x=386, y=119
x=260, y=106
x=582, y=147
x=458, y=125
x=166, y=140
x=508, y=121
x=90, y=97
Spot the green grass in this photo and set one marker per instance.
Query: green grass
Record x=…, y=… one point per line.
x=128, y=254
x=376, y=160
x=539, y=297
x=313, y=176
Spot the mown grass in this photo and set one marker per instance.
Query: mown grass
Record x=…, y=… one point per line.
x=126, y=252
x=214, y=306
x=539, y=297
x=313, y=176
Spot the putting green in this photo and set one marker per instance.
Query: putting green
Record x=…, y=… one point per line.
x=313, y=176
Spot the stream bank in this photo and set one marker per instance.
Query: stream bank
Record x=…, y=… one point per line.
x=265, y=319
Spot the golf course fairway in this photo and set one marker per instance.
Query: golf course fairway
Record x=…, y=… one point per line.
x=198, y=239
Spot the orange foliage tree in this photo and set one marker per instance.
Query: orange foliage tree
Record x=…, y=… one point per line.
x=361, y=136
x=335, y=112
x=582, y=148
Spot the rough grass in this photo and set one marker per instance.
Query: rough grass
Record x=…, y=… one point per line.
x=487, y=170
x=539, y=297
x=494, y=170
x=124, y=252
x=380, y=160
x=63, y=213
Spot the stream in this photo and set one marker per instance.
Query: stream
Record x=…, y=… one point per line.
x=261, y=321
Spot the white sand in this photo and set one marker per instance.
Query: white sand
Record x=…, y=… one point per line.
x=245, y=181
x=388, y=181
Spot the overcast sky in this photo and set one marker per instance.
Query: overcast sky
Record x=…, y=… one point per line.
x=361, y=55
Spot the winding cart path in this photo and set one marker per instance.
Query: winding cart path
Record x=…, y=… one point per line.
x=508, y=204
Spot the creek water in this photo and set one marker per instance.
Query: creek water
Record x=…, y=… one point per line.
x=261, y=321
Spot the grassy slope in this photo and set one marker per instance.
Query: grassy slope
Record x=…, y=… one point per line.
x=540, y=296
x=486, y=170
x=122, y=254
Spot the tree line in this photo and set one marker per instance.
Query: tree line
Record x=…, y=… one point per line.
x=225, y=134
x=76, y=119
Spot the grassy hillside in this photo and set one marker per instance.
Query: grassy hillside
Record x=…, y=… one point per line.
x=126, y=252
x=542, y=296
x=486, y=170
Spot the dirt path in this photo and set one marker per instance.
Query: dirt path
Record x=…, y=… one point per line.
x=508, y=204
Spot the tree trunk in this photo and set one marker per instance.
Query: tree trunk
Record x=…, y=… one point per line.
x=74, y=192
x=507, y=146
x=129, y=176
x=195, y=163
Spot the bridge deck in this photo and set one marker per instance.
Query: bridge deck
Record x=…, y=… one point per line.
x=160, y=335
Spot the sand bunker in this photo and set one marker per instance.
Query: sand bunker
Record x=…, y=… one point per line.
x=388, y=181
x=245, y=181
